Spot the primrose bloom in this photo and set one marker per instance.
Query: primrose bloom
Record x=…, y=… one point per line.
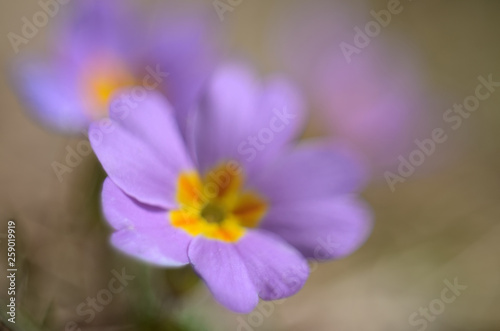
x=234, y=199
x=382, y=123
x=371, y=99
x=102, y=47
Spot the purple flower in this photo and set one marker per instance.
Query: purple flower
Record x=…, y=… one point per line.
x=102, y=47
x=235, y=199
x=372, y=99
x=375, y=103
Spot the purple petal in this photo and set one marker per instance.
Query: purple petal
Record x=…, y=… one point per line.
x=236, y=110
x=96, y=27
x=143, y=231
x=51, y=95
x=322, y=229
x=330, y=22
x=142, y=151
x=276, y=268
x=308, y=172
x=391, y=87
x=225, y=273
x=184, y=42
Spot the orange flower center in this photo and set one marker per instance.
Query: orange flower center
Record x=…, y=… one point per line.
x=102, y=79
x=217, y=207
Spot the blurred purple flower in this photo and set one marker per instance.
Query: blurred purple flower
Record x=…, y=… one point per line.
x=374, y=102
x=237, y=200
x=102, y=47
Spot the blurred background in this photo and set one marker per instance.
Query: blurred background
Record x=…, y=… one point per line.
x=435, y=228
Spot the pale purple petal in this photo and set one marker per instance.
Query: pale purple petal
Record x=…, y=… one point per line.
x=371, y=97
x=308, y=172
x=142, y=151
x=96, y=27
x=276, y=268
x=284, y=118
x=143, y=231
x=51, y=94
x=223, y=270
x=242, y=121
x=383, y=122
x=322, y=229
x=184, y=41
x=300, y=33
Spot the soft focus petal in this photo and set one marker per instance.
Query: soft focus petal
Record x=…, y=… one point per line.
x=277, y=269
x=225, y=273
x=51, y=95
x=241, y=121
x=301, y=32
x=150, y=246
x=371, y=99
x=322, y=229
x=143, y=231
x=382, y=123
x=96, y=27
x=142, y=151
x=308, y=172
x=184, y=42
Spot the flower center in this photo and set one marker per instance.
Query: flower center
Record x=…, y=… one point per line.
x=102, y=78
x=213, y=213
x=217, y=207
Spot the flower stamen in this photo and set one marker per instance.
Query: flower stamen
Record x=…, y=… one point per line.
x=213, y=213
x=223, y=216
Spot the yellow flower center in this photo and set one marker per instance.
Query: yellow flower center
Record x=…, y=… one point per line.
x=217, y=207
x=101, y=80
